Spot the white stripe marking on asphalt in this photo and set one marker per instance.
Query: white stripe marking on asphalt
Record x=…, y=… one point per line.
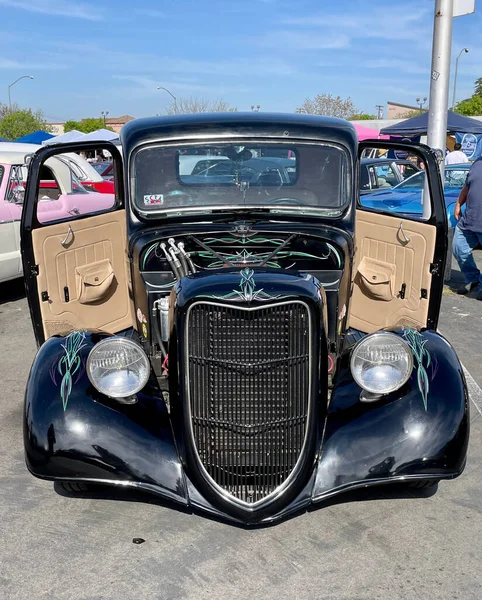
x=475, y=393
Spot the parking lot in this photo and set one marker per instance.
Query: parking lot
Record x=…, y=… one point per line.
x=391, y=543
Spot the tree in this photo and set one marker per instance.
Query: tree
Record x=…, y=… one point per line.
x=86, y=125
x=6, y=110
x=198, y=105
x=363, y=117
x=471, y=107
x=478, y=87
x=328, y=105
x=412, y=113
x=71, y=125
x=18, y=123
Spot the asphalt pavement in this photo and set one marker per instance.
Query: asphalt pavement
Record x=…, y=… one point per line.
x=389, y=543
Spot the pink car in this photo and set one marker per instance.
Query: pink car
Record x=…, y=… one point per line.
x=61, y=195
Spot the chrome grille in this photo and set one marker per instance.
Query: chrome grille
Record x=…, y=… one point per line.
x=249, y=393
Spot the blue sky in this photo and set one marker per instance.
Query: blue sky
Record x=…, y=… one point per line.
x=90, y=56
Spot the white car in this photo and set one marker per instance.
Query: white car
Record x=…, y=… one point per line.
x=84, y=171
x=61, y=194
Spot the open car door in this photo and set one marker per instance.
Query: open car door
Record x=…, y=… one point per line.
x=74, y=250
x=400, y=249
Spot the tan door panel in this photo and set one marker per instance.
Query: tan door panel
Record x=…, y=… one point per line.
x=87, y=280
x=390, y=251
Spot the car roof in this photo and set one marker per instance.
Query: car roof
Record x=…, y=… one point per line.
x=287, y=126
x=457, y=166
x=374, y=161
x=12, y=158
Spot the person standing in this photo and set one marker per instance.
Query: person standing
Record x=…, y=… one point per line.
x=457, y=156
x=468, y=232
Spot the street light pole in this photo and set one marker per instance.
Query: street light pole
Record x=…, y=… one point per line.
x=466, y=50
x=104, y=114
x=439, y=82
x=421, y=102
x=12, y=84
x=159, y=87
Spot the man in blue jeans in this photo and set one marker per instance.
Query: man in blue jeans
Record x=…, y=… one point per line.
x=468, y=232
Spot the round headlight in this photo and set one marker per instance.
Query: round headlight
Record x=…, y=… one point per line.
x=118, y=367
x=381, y=363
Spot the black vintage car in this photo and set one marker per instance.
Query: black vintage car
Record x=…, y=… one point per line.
x=244, y=344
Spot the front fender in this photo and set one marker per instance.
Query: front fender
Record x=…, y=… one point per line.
x=72, y=432
x=413, y=433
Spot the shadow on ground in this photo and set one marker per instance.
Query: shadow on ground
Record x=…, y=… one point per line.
x=10, y=291
x=395, y=491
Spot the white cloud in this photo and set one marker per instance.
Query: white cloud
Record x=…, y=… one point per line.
x=146, y=84
x=152, y=63
x=380, y=22
x=293, y=40
x=390, y=65
x=6, y=63
x=156, y=14
x=64, y=8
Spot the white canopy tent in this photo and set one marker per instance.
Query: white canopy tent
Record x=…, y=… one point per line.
x=70, y=136
x=101, y=135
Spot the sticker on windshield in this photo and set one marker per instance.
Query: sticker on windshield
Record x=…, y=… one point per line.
x=153, y=199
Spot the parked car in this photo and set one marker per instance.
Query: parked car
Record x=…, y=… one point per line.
x=84, y=171
x=105, y=169
x=234, y=348
x=60, y=194
x=255, y=171
x=407, y=196
x=382, y=173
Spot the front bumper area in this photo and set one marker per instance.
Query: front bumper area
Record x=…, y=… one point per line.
x=98, y=440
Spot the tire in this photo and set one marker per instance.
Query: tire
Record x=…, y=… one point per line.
x=423, y=483
x=73, y=487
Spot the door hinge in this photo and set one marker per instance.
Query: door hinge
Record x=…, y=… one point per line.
x=434, y=268
x=423, y=293
x=45, y=296
x=34, y=270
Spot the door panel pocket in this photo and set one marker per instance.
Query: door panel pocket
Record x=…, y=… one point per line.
x=376, y=279
x=95, y=281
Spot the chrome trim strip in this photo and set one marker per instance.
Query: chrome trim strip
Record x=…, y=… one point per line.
x=226, y=495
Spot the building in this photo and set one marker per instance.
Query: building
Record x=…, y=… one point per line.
x=395, y=110
x=116, y=123
x=56, y=128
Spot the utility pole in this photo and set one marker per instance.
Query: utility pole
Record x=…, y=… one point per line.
x=379, y=108
x=439, y=82
x=445, y=11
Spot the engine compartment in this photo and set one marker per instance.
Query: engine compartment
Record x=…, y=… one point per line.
x=166, y=257
x=193, y=253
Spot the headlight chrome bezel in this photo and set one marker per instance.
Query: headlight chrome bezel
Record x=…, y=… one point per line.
x=121, y=342
x=396, y=339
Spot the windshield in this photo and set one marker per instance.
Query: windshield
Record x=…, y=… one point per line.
x=75, y=185
x=294, y=177
x=455, y=178
x=415, y=181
